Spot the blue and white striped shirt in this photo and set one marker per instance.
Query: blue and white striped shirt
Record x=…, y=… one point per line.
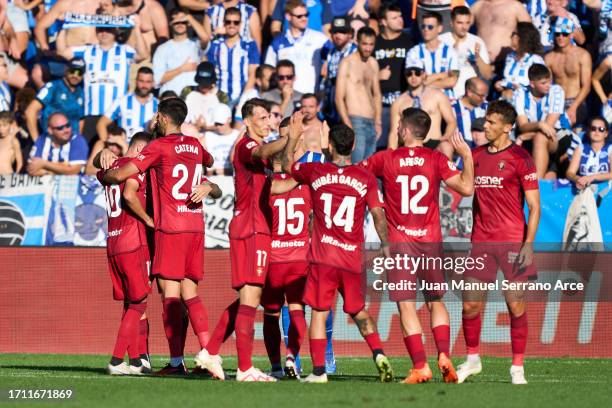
x=232, y=64
x=515, y=71
x=131, y=115
x=537, y=9
x=466, y=116
x=335, y=56
x=107, y=75
x=75, y=151
x=592, y=162
x=5, y=96
x=216, y=14
x=442, y=59
x=537, y=109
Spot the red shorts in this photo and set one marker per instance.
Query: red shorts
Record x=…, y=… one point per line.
x=179, y=256
x=431, y=272
x=284, y=279
x=250, y=259
x=322, y=283
x=496, y=256
x=129, y=274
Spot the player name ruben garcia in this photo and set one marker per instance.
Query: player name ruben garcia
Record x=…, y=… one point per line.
x=360, y=187
x=404, y=284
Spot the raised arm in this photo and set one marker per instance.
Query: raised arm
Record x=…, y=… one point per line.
x=118, y=176
x=462, y=183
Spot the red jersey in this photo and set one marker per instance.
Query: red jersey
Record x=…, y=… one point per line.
x=176, y=162
x=339, y=199
x=252, y=213
x=126, y=232
x=411, y=178
x=500, y=181
x=290, y=219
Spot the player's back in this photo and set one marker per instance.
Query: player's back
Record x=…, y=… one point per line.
x=411, y=178
x=176, y=161
x=252, y=213
x=340, y=196
x=126, y=232
x=500, y=181
x=290, y=222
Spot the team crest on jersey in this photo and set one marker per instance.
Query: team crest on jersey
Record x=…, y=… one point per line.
x=501, y=165
x=340, y=171
x=411, y=152
x=259, y=271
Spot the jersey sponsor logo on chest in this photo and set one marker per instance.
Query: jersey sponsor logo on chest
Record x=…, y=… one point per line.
x=488, y=181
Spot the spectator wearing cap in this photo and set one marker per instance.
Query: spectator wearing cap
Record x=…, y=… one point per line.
x=571, y=68
x=61, y=151
x=540, y=117
x=440, y=60
x=203, y=99
x=556, y=12
x=473, y=105
x=175, y=61
x=392, y=46
x=108, y=71
x=319, y=14
x=592, y=160
x=341, y=47
x=64, y=95
x=235, y=59
x=472, y=53
x=300, y=45
x=220, y=140
x=250, y=27
x=285, y=94
x=134, y=111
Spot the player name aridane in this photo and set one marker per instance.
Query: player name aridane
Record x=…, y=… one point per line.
x=326, y=239
x=184, y=208
x=404, y=284
x=186, y=148
x=361, y=188
x=287, y=244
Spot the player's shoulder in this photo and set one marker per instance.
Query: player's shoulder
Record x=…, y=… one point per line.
x=519, y=155
x=478, y=151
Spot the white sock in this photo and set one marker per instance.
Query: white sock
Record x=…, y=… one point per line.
x=473, y=358
x=176, y=361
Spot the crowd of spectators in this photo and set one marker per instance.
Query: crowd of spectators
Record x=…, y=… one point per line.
x=78, y=75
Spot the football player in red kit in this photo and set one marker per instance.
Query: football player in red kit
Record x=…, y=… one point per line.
x=340, y=193
x=128, y=260
x=250, y=244
x=504, y=179
x=411, y=176
x=176, y=162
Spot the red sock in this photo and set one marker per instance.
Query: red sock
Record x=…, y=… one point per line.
x=471, y=332
x=128, y=332
x=441, y=336
x=373, y=340
x=297, y=328
x=245, y=330
x=272, y=338
x=224, y=328
x=518, y=337
x=199, y=319
x=414, y=344
x=143, y=336
x=173, y=325
x=317, y=353
x=184, y=326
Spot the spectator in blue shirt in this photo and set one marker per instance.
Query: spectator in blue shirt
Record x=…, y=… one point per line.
x=592, y=161
x=60, y=151
x=61, y=95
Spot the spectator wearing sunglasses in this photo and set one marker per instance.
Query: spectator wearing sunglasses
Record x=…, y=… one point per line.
x=250, y=28
x=235, y=58
x=61, y=151
x=285, y=94
x=592, y=161
x=318, y=10
x=300, y=45
x=571, y=68
x=61, y=95
x=440, y=60
x=556, y=11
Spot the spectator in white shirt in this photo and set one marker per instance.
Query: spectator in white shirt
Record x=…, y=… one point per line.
x=202, y=100
x=175, y=61
x=219, y=142
x=300, y=45
x=472, y=53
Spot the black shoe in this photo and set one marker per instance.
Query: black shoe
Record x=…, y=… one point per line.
x=168, y=370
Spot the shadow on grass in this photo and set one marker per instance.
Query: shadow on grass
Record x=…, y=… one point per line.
x=56, y=368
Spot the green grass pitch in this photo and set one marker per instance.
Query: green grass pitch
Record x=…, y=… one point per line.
x=563, y=382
